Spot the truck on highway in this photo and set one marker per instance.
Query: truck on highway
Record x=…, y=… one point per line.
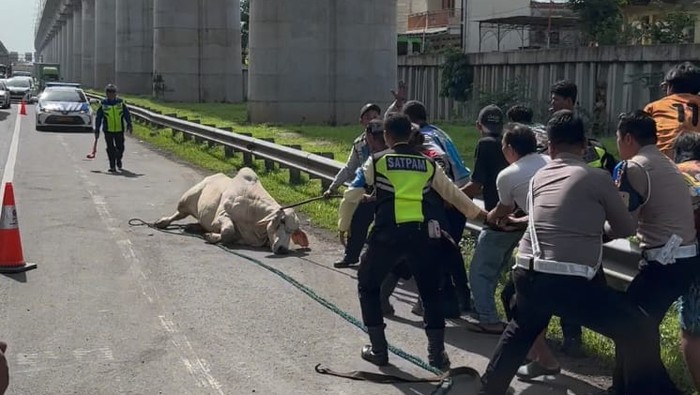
x=22, y=69
x=46, y=72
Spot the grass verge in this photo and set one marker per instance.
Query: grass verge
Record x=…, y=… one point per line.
x=312, y=138
x=324, y=213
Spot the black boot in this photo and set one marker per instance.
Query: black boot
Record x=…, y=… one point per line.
x=388, y=286
x=437, y=357
x=449, y=300
x=378, y=352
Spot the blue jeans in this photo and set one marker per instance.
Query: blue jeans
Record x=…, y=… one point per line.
x=494, y=251
x=689, y=310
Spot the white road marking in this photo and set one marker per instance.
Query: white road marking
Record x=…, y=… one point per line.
x=197, y=367
x=9, y=172
x=97, y=355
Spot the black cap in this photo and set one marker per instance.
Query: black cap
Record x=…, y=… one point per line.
x=375, y=126
x=110, y=88
x=368, y=107
x=491, y=117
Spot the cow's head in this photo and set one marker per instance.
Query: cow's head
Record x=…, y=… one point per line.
x=283, y=225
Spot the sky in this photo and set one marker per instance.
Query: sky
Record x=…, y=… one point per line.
x=17, y=26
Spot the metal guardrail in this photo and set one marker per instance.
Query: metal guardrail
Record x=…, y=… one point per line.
x=620, y=257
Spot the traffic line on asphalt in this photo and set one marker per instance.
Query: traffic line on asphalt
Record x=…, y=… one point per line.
x=197, y=367
x=9, y=172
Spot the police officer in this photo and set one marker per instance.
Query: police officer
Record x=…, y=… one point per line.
x=559, y=257
x=113, y=118
x=658, y=195
x=564, y=94
x=404, y=228
x=364, y=215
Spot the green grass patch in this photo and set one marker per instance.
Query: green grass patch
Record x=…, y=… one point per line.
x=323, y=214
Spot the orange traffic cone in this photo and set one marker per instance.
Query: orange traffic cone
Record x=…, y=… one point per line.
x=11, y=257
x=22, y=108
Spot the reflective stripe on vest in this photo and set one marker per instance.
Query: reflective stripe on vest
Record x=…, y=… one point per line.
x=113, y=116
x=594, y=157
x=408, y=178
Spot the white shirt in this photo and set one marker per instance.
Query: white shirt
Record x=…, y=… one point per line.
x=513, y=182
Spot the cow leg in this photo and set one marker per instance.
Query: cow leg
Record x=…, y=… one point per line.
x=166, y=221
x=226, y=233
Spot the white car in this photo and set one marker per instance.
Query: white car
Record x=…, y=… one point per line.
x=64, y=108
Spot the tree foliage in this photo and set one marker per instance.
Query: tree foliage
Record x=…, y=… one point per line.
x=673, y=29
x=600, y=20
x=457, y=76
x=245, y=22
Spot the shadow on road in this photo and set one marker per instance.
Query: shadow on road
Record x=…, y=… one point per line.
x=59, y=130
x=128, y=174
x=19, y=277
x=4, y=115
x=123, y=173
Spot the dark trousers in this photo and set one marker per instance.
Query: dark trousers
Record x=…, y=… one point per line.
x=388, y=247
x=593, y=304
x=361, y=220
x=508, y=295
x=115, y=147
x=508, y=298
x=655, y=289
x=455, y=266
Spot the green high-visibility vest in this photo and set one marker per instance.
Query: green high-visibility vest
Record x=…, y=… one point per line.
x=594, y=157
x=407, y=179
x=113, y=116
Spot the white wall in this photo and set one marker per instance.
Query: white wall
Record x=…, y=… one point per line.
x=477, y=10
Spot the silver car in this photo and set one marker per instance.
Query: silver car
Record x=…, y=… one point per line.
x=65, y=108
x=20, y=88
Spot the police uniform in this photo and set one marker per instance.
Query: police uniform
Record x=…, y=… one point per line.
x=405, y=183
x=658, y=196
x=113, y=117
x=364, y=215
x=596, y=156
x=555, y=270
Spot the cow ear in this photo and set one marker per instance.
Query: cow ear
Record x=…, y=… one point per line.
x=267, y=219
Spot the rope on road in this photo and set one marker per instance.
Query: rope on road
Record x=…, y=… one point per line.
x=443, y=378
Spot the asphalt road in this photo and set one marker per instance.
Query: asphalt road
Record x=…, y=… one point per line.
x=114, y=309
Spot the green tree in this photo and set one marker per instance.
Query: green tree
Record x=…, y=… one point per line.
x=673, y=29
x=245, y=22
x=601, y=20
x=457, y=76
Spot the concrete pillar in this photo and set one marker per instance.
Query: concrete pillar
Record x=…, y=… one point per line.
x=70, y=24
x=64, y=51
x=54, y=48
x=197, y=50
x=105, y=39
x=87, y=70
x=77, y=42
x=325, y=68
x=134, y=47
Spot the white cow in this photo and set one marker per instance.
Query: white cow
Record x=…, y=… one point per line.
x=239, y=210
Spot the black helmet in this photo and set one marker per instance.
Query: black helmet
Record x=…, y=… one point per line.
x=110, y=88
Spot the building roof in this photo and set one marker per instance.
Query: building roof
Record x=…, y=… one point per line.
x=528, y=21
x=428, y=31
